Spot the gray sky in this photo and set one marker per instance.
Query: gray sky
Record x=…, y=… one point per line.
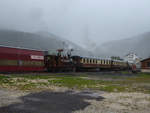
x=86, y=22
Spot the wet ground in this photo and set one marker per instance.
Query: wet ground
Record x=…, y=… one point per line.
x=45, y=102
x=56, y=99
x=73, y=102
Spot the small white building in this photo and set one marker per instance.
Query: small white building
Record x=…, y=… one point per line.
x=133, y=59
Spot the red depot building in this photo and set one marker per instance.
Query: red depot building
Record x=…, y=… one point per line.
x=20, y=60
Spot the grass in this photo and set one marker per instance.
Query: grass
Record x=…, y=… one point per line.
x=73, y=82
x=109, y=83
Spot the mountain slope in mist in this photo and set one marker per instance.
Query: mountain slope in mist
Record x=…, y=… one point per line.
x=39, y=41
x=139, y=44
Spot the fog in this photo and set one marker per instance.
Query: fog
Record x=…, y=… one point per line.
x=85, y=22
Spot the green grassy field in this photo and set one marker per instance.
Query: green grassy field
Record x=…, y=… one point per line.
x=122, y=82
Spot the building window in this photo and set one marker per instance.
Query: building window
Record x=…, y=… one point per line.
x=148, y=64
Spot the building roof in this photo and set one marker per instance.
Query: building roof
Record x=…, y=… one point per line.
x=21, y=48
x=145, y=59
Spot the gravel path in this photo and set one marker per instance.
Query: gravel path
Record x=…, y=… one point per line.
x=73, y=102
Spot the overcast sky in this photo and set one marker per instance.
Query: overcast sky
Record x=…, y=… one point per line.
x=86, y=22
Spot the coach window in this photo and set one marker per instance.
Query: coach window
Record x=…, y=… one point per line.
x=106, y=62
x=99, y=61
x=82, y=61
x=85, y=61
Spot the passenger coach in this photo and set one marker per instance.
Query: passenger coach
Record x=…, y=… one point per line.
x=89, y=63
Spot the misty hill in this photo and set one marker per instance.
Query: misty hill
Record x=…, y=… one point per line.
x=39, y=41
x=139, y=44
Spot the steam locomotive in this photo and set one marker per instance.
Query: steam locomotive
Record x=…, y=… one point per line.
x=13, y=59
x=78, y=63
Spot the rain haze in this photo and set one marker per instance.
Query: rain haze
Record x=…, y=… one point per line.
x=81, y=21
x=74, y=56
